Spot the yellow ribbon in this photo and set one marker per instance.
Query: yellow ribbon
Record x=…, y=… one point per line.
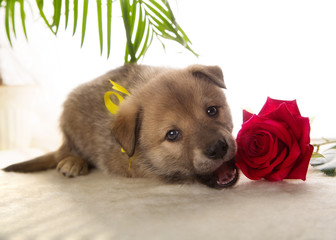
x=130, y=159
x=112, y=107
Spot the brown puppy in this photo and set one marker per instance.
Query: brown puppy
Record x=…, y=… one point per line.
x=176, y=126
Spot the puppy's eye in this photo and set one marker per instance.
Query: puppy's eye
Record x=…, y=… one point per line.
x=173, y=135
x=212, y=111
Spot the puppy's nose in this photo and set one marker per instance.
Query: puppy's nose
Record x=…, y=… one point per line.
x=217, y=150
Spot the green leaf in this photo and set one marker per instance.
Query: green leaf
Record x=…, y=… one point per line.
x=141, y=27
x=126, y=55
x=329, y=172
x=165, y=25
x=57, y=13
x=162, y=43
x=7, y=15
x=133, y=14
x=109, y=19
x=142, y=19
x=11, y=5
x=334, y=147
x=100, y=25
x=23, y=17
x=85, y=12
x=75, y=11
x=146, y=44
x=162, y=9
x=39, y=4
x=317, y=155
x=67, y=7
x=185, y=37
x=125, y=9
x=161, y=29
x=160, y=19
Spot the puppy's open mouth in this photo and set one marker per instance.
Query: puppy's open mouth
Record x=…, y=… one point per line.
x=225, y=176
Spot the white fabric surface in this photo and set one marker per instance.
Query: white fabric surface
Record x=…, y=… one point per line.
x=46, y=205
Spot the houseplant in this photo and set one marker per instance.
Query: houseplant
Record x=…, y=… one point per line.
x=144, y=20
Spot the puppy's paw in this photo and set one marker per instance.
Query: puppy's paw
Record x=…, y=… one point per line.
x=72, y=167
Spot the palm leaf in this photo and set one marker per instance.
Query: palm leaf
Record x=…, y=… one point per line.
x=109, y=20
x=166, y=16
x=7, y=16
x=133, y=15
x=67, y=7
x=153, y=17
x=10, y=18
x=160, y=16
x=85, y=12
x=100, y=25
x=125, y=10
x=164, y=23
x=39, y=4
x=23, y=18
x=146, y=44
x=11, y=5
x=142, y=19
x=75, y=12
x=57, y=13
x=142, y=24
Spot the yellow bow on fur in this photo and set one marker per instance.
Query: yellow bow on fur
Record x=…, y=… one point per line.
x=112, y=107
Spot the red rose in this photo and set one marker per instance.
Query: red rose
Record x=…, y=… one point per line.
x=274, y=144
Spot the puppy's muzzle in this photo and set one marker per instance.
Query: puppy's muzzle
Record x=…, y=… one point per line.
x=217, y=150
x=227, y=174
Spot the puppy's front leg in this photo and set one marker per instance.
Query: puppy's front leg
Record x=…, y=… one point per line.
x=72, y=166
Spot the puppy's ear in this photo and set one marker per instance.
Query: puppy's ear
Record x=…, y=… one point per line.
x=126, y=125
x=213, y=74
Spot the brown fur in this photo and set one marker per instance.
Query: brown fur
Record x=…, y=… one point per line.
x=161, y=100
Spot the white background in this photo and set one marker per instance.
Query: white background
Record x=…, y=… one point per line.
x=282, y=49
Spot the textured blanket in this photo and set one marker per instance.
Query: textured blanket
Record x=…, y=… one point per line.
x=46, y=205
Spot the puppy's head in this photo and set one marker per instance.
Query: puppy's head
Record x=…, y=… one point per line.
x=181, y=126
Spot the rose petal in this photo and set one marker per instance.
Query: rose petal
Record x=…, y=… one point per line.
x=255, y=165
x=259, y=143
x=283, y=164
x=266, y=153
x=246, y=115
x=272, y=104
x=305, y=134
x=253, y=173
x=247, y=135
x=299, y=170
x=293, y=154
x=282, y=114
x=249, y=172
x=256, y=123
